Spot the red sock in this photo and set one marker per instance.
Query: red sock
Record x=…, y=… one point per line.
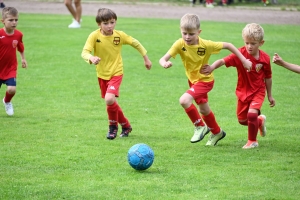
x=252, y=126
x=122, y=119
x=194, y=115
x=112, y=111
x=8, y=97
x=211, y=122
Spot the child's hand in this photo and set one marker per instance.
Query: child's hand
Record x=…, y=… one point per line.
x=247, y=65
x=167, y=64
x=95, y=60
x=277, y=59
x=272, y=101
x=147, y=62
x=24, y=64
x=206, y=69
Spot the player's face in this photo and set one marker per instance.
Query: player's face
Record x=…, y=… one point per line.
x=10, y=23
x=252, y=46
x=107, y=27
x=190, y=36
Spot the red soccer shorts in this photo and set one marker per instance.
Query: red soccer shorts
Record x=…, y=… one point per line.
x=200, y=90
x=110, y=86
x=255, y=103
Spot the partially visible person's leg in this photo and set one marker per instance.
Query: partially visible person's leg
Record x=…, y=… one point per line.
x=2, y=5
x=10, y=92
x=68, y=4
x=75, y=12
x=78, y=11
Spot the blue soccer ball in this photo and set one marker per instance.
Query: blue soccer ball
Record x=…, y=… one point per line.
x=140, y=156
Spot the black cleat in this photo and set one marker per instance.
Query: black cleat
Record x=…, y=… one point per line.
x=112, y=132
x=125, y=131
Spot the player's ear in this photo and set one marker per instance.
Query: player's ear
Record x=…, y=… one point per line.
x=261, y=43
x=199, y=31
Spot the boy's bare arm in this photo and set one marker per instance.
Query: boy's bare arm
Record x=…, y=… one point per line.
x=164, y=61
x=208, y=69
x=246, y=63
x=23, y=60
x=279, y=61
x=269, y=91
x=147, y=62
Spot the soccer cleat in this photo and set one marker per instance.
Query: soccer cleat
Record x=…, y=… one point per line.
x=214, y=139
x=112, y=132
x=74, y=24
x=250, y=144
x=125, y=131
x=199, y=133
x=8, y=108
x=262, y=128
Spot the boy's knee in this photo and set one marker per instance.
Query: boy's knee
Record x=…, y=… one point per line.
x=11, y=90
x=204, y=110
x=184, y=102
x=110, y=99
x=243, y=122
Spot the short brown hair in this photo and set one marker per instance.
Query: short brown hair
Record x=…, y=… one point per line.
x=105, y=14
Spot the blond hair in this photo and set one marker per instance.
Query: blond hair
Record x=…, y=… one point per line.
x=9, y=11
x=254, y=31
x=190, y=22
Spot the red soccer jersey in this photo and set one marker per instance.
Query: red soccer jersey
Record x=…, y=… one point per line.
x=250, y=82
x=9, y=44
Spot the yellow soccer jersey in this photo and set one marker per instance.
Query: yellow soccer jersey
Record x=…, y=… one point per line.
x=194, y=56
x=108, y=48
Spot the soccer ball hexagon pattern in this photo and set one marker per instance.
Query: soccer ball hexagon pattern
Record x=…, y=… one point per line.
x=140, y=156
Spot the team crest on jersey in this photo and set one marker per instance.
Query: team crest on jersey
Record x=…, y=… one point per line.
x=14, y=43
x=183, y=49
x=258, y=67
x=116, y=40
x=201, y=51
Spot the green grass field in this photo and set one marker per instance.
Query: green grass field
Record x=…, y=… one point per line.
x=55, y=145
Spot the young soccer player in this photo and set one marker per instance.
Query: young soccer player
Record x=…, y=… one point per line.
x=252, y=84
x=195, y=52
x=10, y=42
x=278, y=61
x=106, y=44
